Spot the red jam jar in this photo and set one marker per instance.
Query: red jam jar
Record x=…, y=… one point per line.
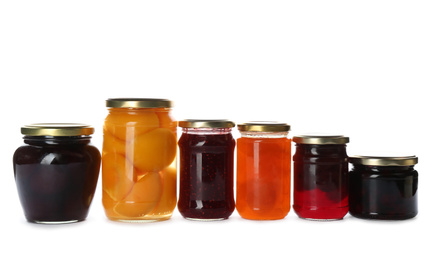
x=56, y=172
x=206, y=169
x=383, y=187
x=321, y=177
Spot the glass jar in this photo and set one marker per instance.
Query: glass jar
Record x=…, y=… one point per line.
x=139, y=160
x=383, y=187
x=206, y=169
x=321, y=177
x=263, y=171
x=56, y=172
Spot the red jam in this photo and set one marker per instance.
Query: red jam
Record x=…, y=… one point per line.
x=206, y=174
x=320, y=178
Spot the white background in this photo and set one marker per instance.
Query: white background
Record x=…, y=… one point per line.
x=360, y=68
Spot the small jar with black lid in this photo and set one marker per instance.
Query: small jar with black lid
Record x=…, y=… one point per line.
x=56, y=172
x=382, y=187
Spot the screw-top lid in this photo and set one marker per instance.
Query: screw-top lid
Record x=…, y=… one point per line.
x=138, y=103
x=205, y=123
x=264, y=126
x=57, y=129
x=384, y=160
x=321, y=139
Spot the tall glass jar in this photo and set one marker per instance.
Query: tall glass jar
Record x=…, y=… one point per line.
x=206, y=169
x=321, y=177
x=139, y=160
x=383, y=187
x=263, y=171
x=56, y=172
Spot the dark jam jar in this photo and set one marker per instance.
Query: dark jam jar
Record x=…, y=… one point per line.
x=206, y=169
x=383, y=187
x=56, y=172
x=321, y=177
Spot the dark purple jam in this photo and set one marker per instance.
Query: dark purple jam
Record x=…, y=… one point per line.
x=383, y=192
x=206, y=176
x=56, y=177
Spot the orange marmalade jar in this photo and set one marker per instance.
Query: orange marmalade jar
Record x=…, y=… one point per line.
x=263, y=171
x=139, y=160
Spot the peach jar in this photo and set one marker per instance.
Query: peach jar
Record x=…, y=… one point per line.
x=139, y=160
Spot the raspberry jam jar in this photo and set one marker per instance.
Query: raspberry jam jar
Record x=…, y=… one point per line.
x=206, y=169
x=383, y=187
x=139, y=160
x=263, y=171
x=321, y=177
x=56, y=172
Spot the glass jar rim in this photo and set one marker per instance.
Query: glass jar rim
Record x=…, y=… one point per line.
x=138, y=103
x=321, y=139
x=57, y=129
x=383, y=160
x=206, y=123
x=264, y=126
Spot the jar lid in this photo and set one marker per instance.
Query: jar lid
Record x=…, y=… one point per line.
x=57, y=129
x=138, y=103
x=205, y=123
x=384, y=160
x=264, y=126
x=321, y=139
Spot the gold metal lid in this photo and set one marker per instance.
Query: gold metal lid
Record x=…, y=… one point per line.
x=321, y=139
x=264, y=126
x=205, y=123
x=138, y=103
x=384, y=160
x=57, y=129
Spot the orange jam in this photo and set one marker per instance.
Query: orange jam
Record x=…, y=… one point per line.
x=263, y=171
x=139, y=160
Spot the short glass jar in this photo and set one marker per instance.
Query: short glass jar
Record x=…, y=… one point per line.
x=139, y=160
x=383, y=187
x=321, y=177
x=263, y=171
x=206, y=150
x=56, y=172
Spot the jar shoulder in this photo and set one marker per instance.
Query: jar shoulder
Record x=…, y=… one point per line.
x=251, y=140
x=193, y=140
x=93, y=152
x=143, y=117
x=375, y=173
x=31, y=154
x=264, y=145
x=315, y=153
